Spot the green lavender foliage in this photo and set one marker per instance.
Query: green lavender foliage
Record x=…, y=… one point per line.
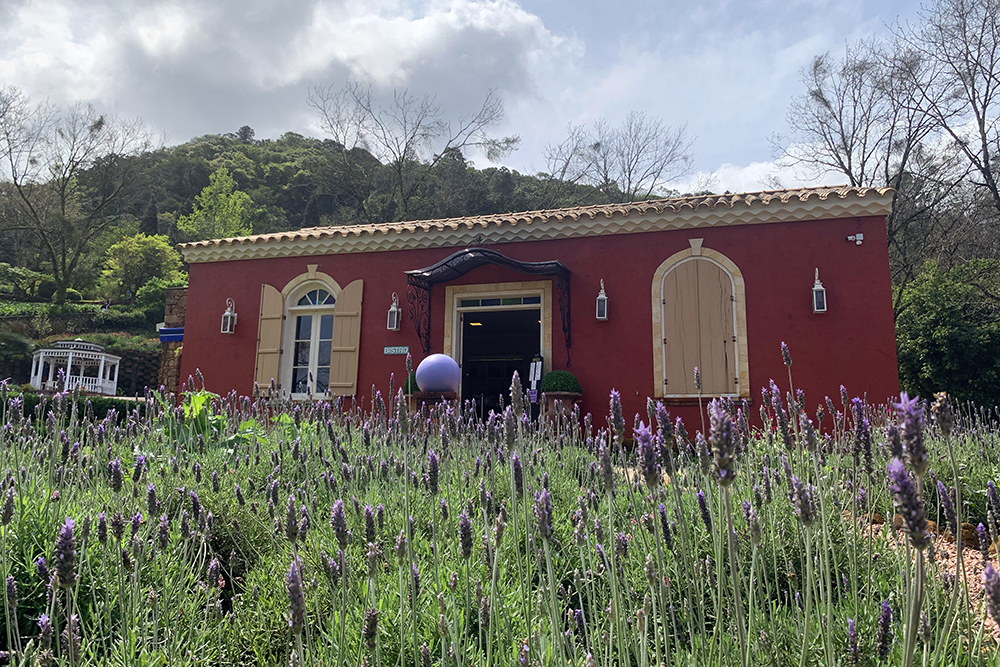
x=560, y=599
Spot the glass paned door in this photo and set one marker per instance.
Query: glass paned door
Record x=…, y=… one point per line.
x=312, y=352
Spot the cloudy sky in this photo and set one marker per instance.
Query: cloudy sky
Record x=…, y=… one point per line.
x=724, y=68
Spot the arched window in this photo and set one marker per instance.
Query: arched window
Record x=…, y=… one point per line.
x=308, y=337
x=699, y=320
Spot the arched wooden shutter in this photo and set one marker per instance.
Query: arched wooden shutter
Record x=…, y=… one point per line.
x=698, y=329
x=346, y=341
x=268, y=336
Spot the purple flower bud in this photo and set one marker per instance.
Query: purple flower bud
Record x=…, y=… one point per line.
x=8, y=507
x=722, y=435
x=543, y=514
x=117, y=476
x=65, y=554
x=42, y=569
x=648, y=456
x=991, y=586
x=239, y=496
x=883, y=638
x=786, y=356
x=668, y=538
x=303, y=523
x=853, y=653
x=291, y=521
x=911, y=427
x=908, y=504
x=947, y=507
x=339, y=523
x=369, y=524
x=433, y=468
x=71, y=641
x=45, y=631
x=296, y=597
x=195, y=507
x=11, y=596
x=369, y=627
x=753, y=523
x=517, y=474
x=616, y=419
x=465, y=534
x=706, y=516
x=414, y=592
x=163, y=530
x=984, y=541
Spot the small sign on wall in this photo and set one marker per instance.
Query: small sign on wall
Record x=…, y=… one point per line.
x=396, y=349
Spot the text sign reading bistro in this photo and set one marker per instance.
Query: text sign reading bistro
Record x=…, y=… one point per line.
x=396, y=349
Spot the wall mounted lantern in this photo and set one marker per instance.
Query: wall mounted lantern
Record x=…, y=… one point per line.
x=229, y=318
x=602, y=303
x=819, y=295
x=394, y=312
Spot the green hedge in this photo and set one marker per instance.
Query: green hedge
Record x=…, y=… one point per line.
x=560, y=381
x=100, y=404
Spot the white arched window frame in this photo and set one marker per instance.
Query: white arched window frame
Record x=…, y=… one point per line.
x=663, y=329
x=307, y=338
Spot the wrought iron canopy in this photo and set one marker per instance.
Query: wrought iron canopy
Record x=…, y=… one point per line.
x=456, y=265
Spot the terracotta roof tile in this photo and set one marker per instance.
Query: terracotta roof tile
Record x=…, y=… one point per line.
x=746, y=201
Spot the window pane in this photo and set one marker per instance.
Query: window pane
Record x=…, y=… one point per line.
x=324, y=353
x=531, y=299
x=303, y=327
x=489, y=302
x=301, y=357
x=304, y=301
x=322, y=379
x=326, y=327
x=300, y=378
x=468, y=303
x=321, y=296
x=329, y=300
x=511, y=301
x=312, y=296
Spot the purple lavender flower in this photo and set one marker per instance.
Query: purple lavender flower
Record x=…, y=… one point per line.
x=517, y=474
x=195, y=506
x=215, y=482
x=621, y=546
x=543, y=514
x=414, y=592
x=339, y=523
x=607, y=472
x=11, y=595
x=947, y=507
x=42, y=569
x=239, y=496
x=116, y=474
x=163, y=531
x=465, y=534
x=853, y=653
x=883, y=638
x=786, y=356
x=991, y=586
x=668, y=538
x=984, y=542
x=697, y=379
x=291, y=521
x=753, y=523
x=706, y=516
x=296, y=597
x=721, y=433
x=7, y=513
x=102, y=528
x=65, y=553
x=911, y=426
x=648, y=456
x=616, y=420
x=908, y=504
x=804, y=500
x=369, y=627
x=369, y=524
x=433, y=468
x=71, y=641
x=45, y=631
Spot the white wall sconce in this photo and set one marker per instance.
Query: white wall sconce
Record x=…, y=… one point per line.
x=229, y=318
x=857, y=238
x=602, y=303
x=819, y=295
x=394, y=314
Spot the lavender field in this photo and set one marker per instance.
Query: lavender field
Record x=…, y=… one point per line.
x=246, y=531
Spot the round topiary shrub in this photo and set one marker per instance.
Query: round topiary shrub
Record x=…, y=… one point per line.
x=560, y=381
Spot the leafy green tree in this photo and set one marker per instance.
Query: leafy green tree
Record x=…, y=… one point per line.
x=948, y=332
x=135, y=260
x=69, y=176
x=150, y=223
x=220, y=211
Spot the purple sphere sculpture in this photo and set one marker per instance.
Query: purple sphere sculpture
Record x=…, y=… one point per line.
x=438, y=372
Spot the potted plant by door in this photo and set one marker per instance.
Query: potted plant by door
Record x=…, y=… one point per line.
x=560, y=389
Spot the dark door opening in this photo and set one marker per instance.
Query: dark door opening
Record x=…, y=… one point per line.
x=494, y=345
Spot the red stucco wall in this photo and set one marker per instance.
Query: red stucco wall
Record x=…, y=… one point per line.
x=852, y=344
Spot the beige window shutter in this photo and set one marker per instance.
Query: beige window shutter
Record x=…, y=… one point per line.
x=346, y=341
x=268, y=336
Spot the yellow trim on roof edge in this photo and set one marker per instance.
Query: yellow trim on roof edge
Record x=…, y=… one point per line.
x=719, y=211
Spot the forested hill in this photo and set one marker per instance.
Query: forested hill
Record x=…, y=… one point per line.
x=296, y=181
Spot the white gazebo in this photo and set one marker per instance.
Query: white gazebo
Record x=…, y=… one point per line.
x=85, y=365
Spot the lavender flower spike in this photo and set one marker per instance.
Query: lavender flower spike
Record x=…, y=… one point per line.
x=65, y=554
x=722, y=437
x=911, y=427
x=991, y=584
x=296, y=598
x=543, y=514
x=883, y=638
x=908, y=504
x=648, y=455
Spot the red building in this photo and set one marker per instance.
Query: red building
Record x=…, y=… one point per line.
x=716, y=282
